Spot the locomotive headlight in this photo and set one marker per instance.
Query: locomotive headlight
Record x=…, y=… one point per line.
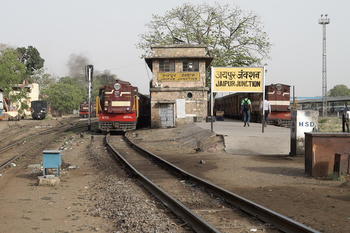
x=116, y=86
x=127, y=109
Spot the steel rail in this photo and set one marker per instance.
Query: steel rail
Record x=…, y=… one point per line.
x=23, y=139
x=23, y=153
x=196, y=222
x=10, y=128
x=266, y=215
x=9, y=135
x=72, y=126
x=79, y=124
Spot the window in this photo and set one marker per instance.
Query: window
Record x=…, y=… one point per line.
x=167, y=65
x=190, y=65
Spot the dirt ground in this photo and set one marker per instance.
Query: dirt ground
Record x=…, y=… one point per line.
x=276, y=182
x=28, y=207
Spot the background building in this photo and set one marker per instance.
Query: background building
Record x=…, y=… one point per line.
x=32, y=93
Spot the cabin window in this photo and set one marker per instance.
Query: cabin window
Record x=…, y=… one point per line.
x=167, y=65
x=190, y=65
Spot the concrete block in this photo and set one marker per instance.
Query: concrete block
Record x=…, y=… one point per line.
x=49, y=180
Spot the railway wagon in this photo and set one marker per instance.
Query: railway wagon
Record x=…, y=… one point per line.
x=144, y=119
x=277, y=94
x=118, y=106
x=38, y=109
x=84, y=109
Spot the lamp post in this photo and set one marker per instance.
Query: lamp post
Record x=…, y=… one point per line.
x=324, y=20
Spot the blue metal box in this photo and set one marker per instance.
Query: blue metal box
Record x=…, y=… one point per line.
x=52, y=159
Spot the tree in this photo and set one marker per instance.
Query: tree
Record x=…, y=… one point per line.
x=43, y=79
x=12, y=72
x=233, y=37
x=31, y=58
x=339, y=90
x=65, y=95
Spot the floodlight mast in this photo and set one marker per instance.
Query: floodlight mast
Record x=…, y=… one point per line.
x=324, y=20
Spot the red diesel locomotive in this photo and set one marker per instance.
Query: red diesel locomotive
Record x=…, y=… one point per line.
x=279, y=97
x=84, y=110
x=277, y=94
x=118, y=107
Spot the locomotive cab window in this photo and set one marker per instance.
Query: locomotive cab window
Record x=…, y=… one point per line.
x=167, y=65
x=190, y=65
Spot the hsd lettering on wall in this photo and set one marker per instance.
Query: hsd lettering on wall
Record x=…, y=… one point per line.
x=178, y=77
x=237, y=79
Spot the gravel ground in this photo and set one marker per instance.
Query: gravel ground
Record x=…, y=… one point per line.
x=119, y=199
x=96, y=195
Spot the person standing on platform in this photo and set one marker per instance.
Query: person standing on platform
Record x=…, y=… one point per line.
x=246, y=109
x=266, y=107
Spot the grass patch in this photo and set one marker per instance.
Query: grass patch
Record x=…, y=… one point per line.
x=322, y=120
x=336, y=177
x=330, y=124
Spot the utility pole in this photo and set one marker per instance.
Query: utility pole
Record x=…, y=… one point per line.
x=89, y=72
x=324, y=21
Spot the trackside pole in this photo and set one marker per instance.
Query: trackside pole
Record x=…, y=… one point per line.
x=89, y=69
x=211, y=100
x=263, y=91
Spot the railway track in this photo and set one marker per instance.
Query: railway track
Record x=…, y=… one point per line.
x=33, y=142
x=14, y=131
x=10, y=128
x=201, y=205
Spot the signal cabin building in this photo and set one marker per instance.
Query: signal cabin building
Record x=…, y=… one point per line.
x=178, y=88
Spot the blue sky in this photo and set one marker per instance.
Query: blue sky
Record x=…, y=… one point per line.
x=106, y=32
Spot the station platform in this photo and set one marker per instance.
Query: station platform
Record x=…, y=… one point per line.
x=251, y=140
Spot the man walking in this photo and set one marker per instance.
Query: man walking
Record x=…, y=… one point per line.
x=246, y=109
x=265, y=105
